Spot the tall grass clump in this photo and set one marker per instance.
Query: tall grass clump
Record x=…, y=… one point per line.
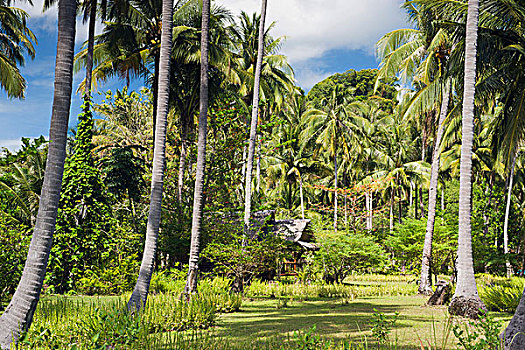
x=303, y=291
x=503, y=295
x=63, y=322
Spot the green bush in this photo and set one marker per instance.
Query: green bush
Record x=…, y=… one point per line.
x=503, y=295
x=341, y=253
x=12, y=259
x=479, y=335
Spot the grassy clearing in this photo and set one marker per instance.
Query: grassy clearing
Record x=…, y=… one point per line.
x=272, y=316
x=333, y=319
x=262, y=320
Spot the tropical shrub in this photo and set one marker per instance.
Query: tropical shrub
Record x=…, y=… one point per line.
x=342, y=253
x=503, y=295
x=406, y=245
x=14, y=242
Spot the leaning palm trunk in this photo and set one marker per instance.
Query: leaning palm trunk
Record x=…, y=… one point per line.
x=253, y=124
x=19, y=313
x=191, y=282
x=425, y=283
x=140, y=292
x=506, y=225
x=466, y=301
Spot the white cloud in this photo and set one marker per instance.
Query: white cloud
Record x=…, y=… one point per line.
x=47, y=21
x=308, y=77
x=11, y=145
x=313, y=27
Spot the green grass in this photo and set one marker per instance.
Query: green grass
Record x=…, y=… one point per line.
x=263, y=322
x=261, y=319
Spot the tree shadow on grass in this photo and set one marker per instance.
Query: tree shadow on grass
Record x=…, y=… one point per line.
x=332, y=318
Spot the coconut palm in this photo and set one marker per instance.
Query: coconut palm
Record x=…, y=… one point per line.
x=23, y=183
x=19, y=313
x=191, y=282
x=335, y=130
x=16, y=41
x=291, y=161
x=139, y=296
x=466, y=301
x=276, y=74
x=420, y=54
x=185, y=82
x=254, y=119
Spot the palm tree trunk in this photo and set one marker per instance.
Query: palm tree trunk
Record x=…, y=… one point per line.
x=346, y=212
x=191, y=282
x=140, y=292
x=411, y=194
x=466, y=301
x=258, y=171
x=253, y=124
x=443, y=203
x=335, y=192
x=367, y=209
x=243, y=169
x=425, y=283
x=19, y=313
x=371, y=211
x=506, y=225
x=392, y=212
x=90, y=48
x=416, y=190
x=156, y=73
x=421, y=203
x=183, y=155
x=301, y=193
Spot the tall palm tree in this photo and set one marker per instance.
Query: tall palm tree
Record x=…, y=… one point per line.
x=331, y=129
x=255, y=118
x=140, y=293
x=292, y=160
x=507, y=212
x=16, y=41
x=191, y=282
x=466, y=301
x=425, y=282
x=19, y=313
x=420, y=54
x=185, y=82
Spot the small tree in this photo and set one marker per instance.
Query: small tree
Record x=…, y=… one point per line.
x=341, y=253
x=81, y=240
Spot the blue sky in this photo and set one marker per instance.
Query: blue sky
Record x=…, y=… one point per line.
x=320, y=40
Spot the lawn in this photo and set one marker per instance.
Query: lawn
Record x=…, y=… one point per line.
x=262, y=322
x=265, y=319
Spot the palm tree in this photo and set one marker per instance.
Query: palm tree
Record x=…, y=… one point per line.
x=330, y=128
x=191, y=282
x=255, y=118
x=292, y=160
x=19, y=313
x=507, y=211
x=15, y=42
x=466, y=301
x=185, y=81
x=425, y=282
x=140, y=293
x=276, y=74
x=421, y=54
x=23, y=183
